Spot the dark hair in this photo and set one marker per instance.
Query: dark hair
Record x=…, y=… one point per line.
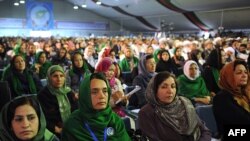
x=20, y=101
x=240, y=62
x=160, y=77
x=99, y=75
x=149, y=56
x=162, y=51
x=12, y=61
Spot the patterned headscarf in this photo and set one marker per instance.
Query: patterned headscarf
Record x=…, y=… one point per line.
x=103, y=66
x=180, y=114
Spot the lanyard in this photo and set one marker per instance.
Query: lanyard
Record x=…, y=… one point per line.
x=93, y=135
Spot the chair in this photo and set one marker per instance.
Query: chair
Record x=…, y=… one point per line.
x=5, y=95
x=206, y=114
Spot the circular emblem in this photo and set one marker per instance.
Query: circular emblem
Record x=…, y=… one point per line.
x=110, y=131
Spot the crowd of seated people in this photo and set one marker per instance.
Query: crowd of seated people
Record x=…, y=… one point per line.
x=65, y=64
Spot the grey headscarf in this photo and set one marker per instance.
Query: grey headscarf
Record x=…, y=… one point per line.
x=180, y=115
x=142, y=68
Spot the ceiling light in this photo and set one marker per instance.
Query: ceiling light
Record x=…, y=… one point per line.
x=98, y=2
x=22, y=1
x=75, y=7
x=16, y=3
x=84, y=5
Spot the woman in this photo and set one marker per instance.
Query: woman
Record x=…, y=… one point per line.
x=231, y=104
x=57, y=100
x=20, y=79
x=94, y=120
x=41, y=65
x=61, y=58
x=22, y=119
x=168, y=116
x=192, y=85
x=78, y=72
x=178, y=58
x=212, y=67
x=166, y=63
x=146, y=71
x=107, y=66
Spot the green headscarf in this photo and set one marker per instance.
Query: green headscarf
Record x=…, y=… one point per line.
x=6, y=133
x=44, y=68
x=75, y=130
x=60, y=93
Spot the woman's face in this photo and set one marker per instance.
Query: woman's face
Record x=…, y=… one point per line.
x=25, y=123
x=110, y=72
x=19, y=63
x=23, y=48
x=62, y=53
x=193, y=70
x=178, y=52
x=57, y=79
x=78, y=62
x=42, y=58
x=165, y=56
x=99, y=94
x=166, y=91
x=240, y=75
x=223, y=57
x=150, y=65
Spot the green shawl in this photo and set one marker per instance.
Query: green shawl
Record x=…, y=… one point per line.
x=6, y=133
x=155, y=54
x=60, y=93
x=75, y=130
x=192, y=88
x=216, y=74
x=18, y=86
x=124, y=64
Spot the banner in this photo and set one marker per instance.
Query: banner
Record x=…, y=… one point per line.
x=39, y=15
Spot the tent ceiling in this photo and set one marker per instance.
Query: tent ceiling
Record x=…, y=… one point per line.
x=147, y=15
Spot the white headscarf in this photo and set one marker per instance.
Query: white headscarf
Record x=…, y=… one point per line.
x=186, y=69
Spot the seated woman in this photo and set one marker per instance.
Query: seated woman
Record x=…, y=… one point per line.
x=146, y=71
x=212, y=67
x=166, y=63
x=20, y=79
x=167, y=116
x=61, y=58
x=22, y=119
x=77, y=73
x=231, y=104
x=41, y=65
x=107, y=66
x=94, y=120
x=192, y=85
x=57, y=100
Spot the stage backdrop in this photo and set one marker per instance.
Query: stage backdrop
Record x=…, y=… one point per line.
x=39, y=15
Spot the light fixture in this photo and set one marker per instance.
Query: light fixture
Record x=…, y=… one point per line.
x=75, y=7
x=84, y=5
x=98, y=2
x=16, y=3
x=22, y=1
